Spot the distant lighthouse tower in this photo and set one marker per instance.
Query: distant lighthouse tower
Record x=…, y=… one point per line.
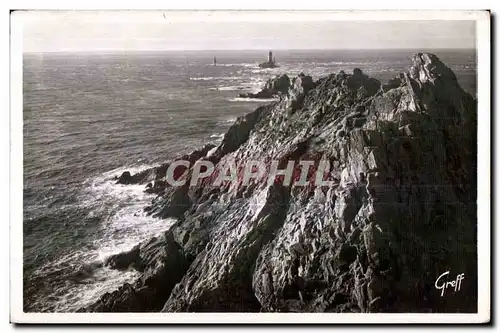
x=270, y=63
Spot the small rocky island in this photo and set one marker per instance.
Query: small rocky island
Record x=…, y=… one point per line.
x=401, y=212
x=270, y=63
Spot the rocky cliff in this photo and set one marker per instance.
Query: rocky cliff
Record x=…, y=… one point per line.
x=399, y=212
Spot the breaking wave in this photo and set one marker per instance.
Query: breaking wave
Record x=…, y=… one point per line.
x=228, y=88
x=253, y=100
x=211, y=78
x=248, y=65
x=217, y=137
x=79, y=278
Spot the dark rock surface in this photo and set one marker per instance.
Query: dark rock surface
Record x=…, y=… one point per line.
x=401, y=210
x=125, y=178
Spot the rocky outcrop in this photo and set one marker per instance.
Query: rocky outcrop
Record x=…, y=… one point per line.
x=274, y=87
x=153, y=176
x=400, y=208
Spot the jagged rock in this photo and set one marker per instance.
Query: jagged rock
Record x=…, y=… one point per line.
x=158, y=186
x=125, y=178
x=401, y=208
x=393, y=83
x=124, y=260
x=172, y=201
x=239, y=132
x=280, y=84
x=230, y=288
x=300, y=87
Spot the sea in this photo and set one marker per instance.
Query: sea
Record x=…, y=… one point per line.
x=88, y=117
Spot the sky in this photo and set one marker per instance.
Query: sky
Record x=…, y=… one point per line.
x=80, y=31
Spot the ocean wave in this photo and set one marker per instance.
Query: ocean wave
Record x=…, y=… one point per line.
x=244, y=99
x=266, y=70
x=228, y=88
x=335, y=63
x=77, y=279
x=217, y=136
x=202, y=78
x=129, y=224
x=248, y=65
x=229, y=120
x=211, y=78
x=102, y=281
x=251, y=84
x=80, y=276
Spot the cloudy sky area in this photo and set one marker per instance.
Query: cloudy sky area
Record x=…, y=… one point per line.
x=146, y=30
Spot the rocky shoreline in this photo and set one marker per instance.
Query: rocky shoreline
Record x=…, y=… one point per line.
x=402, y=212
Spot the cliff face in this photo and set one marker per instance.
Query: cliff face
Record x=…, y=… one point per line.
x=399, y=212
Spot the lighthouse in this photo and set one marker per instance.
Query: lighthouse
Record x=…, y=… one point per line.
x=270, y=63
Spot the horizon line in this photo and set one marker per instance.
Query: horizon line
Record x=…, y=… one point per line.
x=255, y=50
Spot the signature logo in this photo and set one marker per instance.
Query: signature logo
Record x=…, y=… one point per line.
x=442, y=283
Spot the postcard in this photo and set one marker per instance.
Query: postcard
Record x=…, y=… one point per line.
x=250, y=166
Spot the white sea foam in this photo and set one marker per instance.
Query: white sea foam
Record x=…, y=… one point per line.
x=126, y=226
x=229, y=120
x=265, y=70
x=254, y=84
x=202, y=78
x=211, y=78
x=253, y=100
x=230, y=88
x=129, y=225
x=249, y=65
x=89, y=290
x=218, y=136
x=227, y=88
x=332, y=63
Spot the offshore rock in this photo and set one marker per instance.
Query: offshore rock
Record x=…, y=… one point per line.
x=400, y=210
x=125, y=178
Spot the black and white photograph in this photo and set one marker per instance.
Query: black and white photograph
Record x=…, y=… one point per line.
x=272, y=164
